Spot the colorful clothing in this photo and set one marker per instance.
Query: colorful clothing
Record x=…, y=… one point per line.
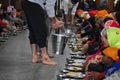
x=112, y=69
x=113, y=35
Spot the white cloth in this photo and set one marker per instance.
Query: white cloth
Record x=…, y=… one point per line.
x=67, y=4
x=49, y=7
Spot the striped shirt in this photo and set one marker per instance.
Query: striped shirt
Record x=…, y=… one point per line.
x=49, y=7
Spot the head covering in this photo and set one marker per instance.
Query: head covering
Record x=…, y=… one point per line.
x=111, y=23
x=113, y=37
x=106, y=19
x=79, y=12
x=93, y=12
x=110, y=16
x=101, y=14
x=83, y=14
x=86, y=16
x=111, y=52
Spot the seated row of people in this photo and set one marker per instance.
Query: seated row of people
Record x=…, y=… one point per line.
x=10, y=23
x=100, y=34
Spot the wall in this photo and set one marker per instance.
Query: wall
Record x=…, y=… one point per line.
x=110, y=4
x=15, y=3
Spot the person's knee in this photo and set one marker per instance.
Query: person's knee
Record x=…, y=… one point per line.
x=73, y=13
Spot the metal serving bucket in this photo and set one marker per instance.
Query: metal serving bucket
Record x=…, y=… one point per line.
x=68, y=32
x=58, y=43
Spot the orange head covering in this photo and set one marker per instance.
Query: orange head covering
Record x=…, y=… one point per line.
x=112, y=52
x=84, y=14
x=79, y=12
x=93, y=12
x=18, y=13
x=101, y=14
x=110, y=16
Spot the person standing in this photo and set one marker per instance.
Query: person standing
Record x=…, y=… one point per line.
x=35, y=12
x=69, y=6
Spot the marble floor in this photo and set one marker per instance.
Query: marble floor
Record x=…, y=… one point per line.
x=15, y=61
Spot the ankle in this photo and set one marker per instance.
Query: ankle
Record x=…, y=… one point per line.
x=35, y=59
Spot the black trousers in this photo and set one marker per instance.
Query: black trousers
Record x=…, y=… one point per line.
x=36, y=19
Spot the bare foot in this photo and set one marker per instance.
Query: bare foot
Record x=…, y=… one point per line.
x=72, y=23
x=49, y=62
x=46, y=60
x=35, y=59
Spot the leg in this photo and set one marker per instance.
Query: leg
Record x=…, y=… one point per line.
x=38, y=30
x=72, y=19
x=73, y=11
x=39, y=53
x=34, y=53
x=66, y=18
x=65, y=4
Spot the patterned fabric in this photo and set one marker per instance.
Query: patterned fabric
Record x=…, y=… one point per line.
x=95, y=58
x=111, y=23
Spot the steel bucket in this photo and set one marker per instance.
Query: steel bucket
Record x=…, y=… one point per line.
x=58, y=43
x=68, y=32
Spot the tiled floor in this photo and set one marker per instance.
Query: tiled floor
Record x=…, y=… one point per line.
x=15, y=61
